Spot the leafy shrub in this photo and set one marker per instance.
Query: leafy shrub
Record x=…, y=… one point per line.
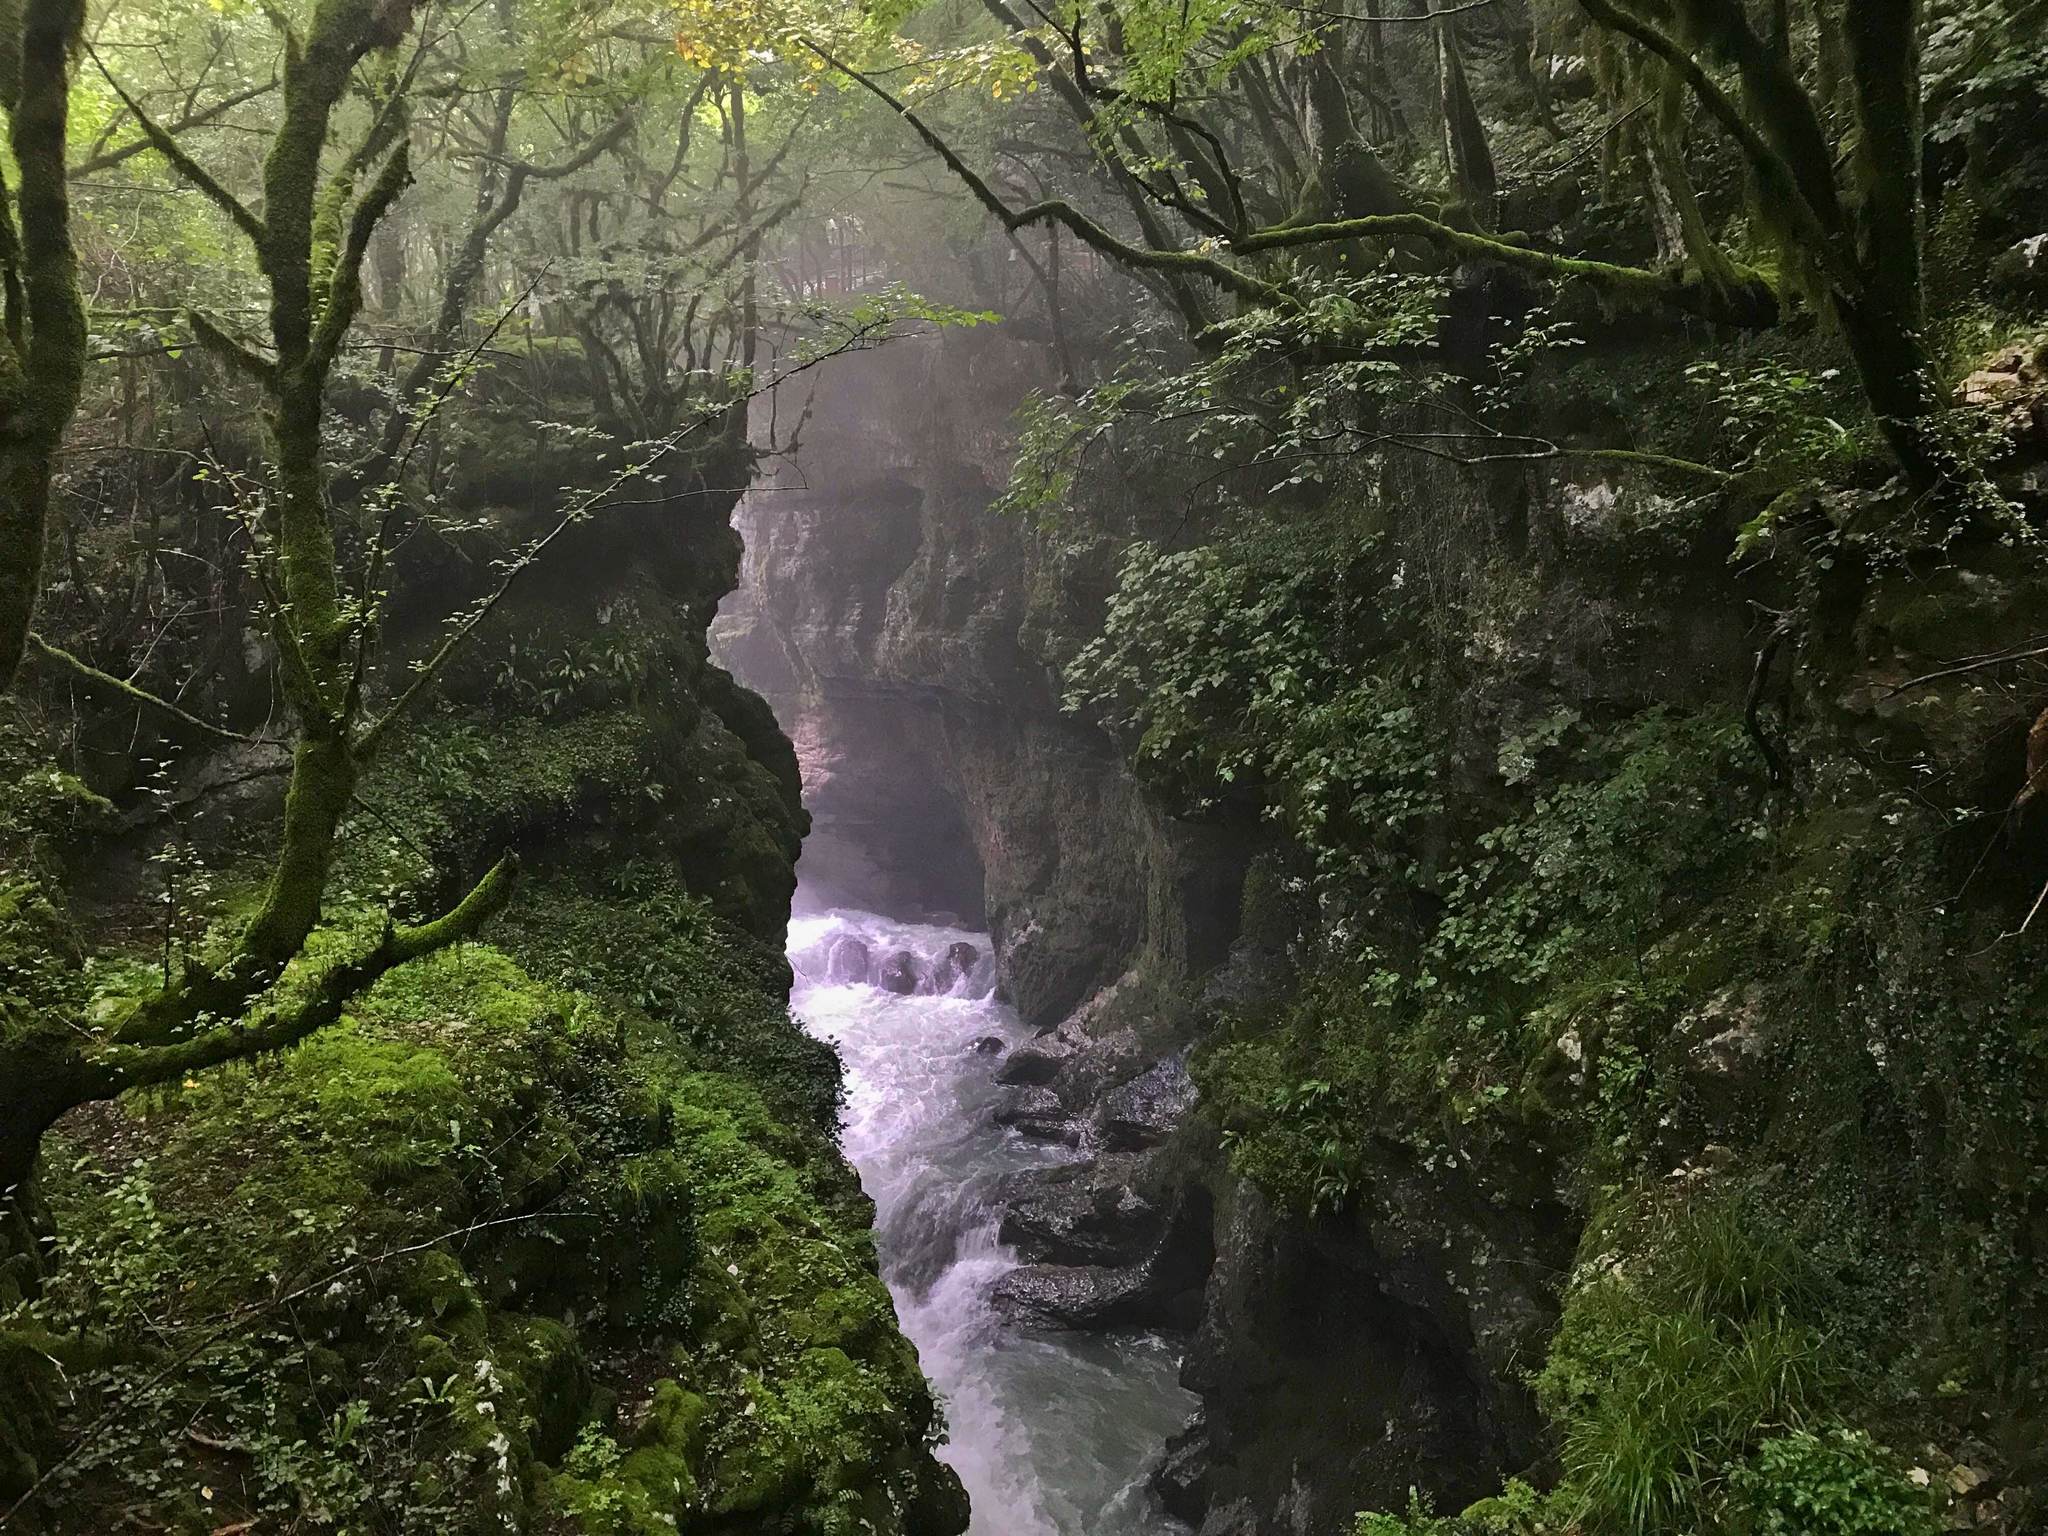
x=1841, y=1483
x=1518, y=1510
x=1390, y=1032
x=1216, y=664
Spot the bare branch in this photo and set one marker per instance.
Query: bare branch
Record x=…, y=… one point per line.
x=191, y=170
x=127, y=690
x=1058, y=210
x=199, y=119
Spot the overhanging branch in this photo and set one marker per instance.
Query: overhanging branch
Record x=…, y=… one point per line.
x=1752, y=304
x=121, y=1067
x=236, y=353
x=196, y=119
x=1058, y=210
x=193, y=172
x=127, y=690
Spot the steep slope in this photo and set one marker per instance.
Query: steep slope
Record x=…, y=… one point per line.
x=1565, y=940
x=550, y=1233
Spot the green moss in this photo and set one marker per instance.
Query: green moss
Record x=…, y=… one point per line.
x=439, y=1224
x=638, y=780
x=648, y=946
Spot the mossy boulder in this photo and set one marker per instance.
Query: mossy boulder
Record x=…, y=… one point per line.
x=424, y=1266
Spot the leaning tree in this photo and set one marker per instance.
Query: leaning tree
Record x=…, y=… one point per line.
x=309, y=240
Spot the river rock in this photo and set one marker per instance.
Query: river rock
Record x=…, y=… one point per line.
x=1111, y=1243
x=1081, y=1213
x=1083, y=1297
x=1029, y=1066
x=1037, y=1113
x=849, y=962
x=989, y=1045
x=1041, y=1061
x=1144, y=1111
x=955, y=966
x=899, y=974
x=1094, y=1297
x=1178, y=1477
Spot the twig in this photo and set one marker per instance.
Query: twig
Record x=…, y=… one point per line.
x=128, y=690
x=1974, y=664
x=1759, y=675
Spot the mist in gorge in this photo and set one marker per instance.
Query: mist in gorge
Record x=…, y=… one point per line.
x=1032, y=769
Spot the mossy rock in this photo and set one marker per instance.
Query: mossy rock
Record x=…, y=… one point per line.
x=476, y=1194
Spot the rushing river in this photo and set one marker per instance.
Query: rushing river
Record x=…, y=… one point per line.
x=1052, y=1433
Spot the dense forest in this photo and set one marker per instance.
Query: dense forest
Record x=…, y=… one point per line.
x=1458, y=586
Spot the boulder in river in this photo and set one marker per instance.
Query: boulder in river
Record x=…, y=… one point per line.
x=848, y=962
x=1043, y=1059
x=899, y=974
x=1029, y=1067
x=1078, y=1296
x=1039, y=1114
x=1079, y=1213
x=1144, y=1111
x=989, y=1045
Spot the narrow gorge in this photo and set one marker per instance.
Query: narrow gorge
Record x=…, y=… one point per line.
x=1074, y=769
x=904, y=635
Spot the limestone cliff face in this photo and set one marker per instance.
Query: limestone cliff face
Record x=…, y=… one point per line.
x=895, y=624
x=1347, y=1348
x=886, y=613
x=680, y=1265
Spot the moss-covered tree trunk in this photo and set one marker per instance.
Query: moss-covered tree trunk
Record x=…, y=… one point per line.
x=35, y=1067
x=311, y=241
x=42, y=372
x=1856, y=250
x=1467, y=155
x=42, y=357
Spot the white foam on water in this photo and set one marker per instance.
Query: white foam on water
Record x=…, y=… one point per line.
x=1052, y=1434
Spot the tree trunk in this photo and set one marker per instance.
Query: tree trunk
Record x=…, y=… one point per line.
x=1466, y=152
x=45, y=371
x=24, y=531
x=37, y=1085
x=1898, y=379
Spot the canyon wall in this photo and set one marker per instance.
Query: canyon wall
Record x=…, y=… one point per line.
x=1652, y=810
x=903, y=632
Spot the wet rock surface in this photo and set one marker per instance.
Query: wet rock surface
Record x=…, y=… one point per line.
x=899, y=974
x=850, y=961
x=1146, y=1110
x=1038, y=1113
x=1137, y=1265
x=1180, y=1477
x=1084, y=1213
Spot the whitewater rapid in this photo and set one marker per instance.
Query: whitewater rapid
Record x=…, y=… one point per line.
x=1051, y=1433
